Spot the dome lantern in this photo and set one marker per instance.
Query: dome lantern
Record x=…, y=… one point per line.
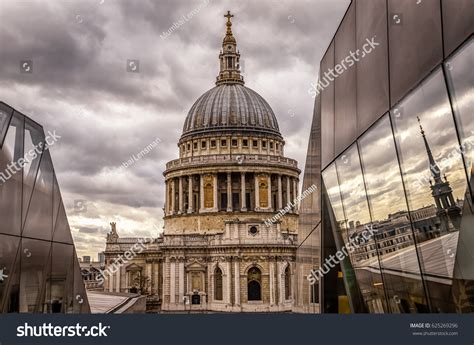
x=229, y=58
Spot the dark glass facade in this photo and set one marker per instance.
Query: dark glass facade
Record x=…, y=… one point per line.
x=404, y=167
x=39, y=270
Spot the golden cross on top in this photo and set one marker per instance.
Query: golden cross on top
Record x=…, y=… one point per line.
x=228, y=16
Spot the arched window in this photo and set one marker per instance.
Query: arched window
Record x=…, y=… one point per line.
x=254, y=281
x=218, y=284
x=287, y=282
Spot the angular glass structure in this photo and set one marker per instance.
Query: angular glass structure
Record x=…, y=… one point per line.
x=408, y=174
x=39, y=270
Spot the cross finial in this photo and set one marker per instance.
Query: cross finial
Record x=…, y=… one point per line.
x=229, y=23
x=421, y=127
x=228, y=16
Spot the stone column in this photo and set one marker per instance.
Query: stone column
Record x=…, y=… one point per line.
x=237, y=282
x=228, y=282
x=149, y=275
x=173, y=196
x=243, y=194
x=295, y=193
x=181, y=280
x=280, y=193
x=117, y=282
x=257, y=193
x=270, y=201
x=215, y=208
x=201, y=192
x=110, y=282
x=180, y=195
x=190, y=194
x=156, y=276
x=229, y=192
x=127, y=281
x=272, y=283
x=281, y=282
x=172, y=282
x=167, y=202
x=288, y=194
x=210, y=280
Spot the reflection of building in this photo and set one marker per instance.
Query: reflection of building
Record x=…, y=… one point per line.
x=216, y=252
x=447, y=210
x=39, y=270
x=372, y=158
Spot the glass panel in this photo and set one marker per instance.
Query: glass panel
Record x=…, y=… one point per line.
x=327, y=108
x=457, y=23
x=356, y=234
x=372, y=70
x=415, y=43
x=56, y=199
x=8, y=253
x=80, y=301
x=11, y=178
x=34, y=141
x=345, y=107
x=62, y=232
x=35, y=273
x=435, y=182
x=39, y=221
x=395, y=240
x=310, y=209
x=460, y=74
x=345, y=116
x=5, y=115
x=62, y=279
x=461, y=85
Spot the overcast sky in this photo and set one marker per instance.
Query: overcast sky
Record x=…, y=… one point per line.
x=80, y=87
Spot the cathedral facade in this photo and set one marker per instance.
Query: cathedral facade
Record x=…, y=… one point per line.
x=222, y=248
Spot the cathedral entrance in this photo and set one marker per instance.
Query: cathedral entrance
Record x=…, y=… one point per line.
x=254, y=291
x=254, y=277
x=196, y=299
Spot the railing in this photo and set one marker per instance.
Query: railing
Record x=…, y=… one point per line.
x=219, y=239
x=231, y=159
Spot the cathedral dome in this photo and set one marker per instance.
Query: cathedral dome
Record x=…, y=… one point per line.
x=230, y=107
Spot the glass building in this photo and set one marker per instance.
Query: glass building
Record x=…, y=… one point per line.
x=39, y=270
x=392, y=151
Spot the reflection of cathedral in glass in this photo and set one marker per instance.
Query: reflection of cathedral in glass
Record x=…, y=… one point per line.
x=446, y=208
x=397, y=153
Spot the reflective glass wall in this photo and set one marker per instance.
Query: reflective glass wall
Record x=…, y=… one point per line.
x=403, y=170
x=409, y=179
x=39, y=271
x=306, y=296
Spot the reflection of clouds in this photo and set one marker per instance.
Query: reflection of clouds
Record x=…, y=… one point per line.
x=384, y=184
x=352, y=187
x=431, y=104
x=332, y=188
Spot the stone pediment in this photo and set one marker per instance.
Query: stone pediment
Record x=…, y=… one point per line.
x=196, y=264
x=133, y=267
